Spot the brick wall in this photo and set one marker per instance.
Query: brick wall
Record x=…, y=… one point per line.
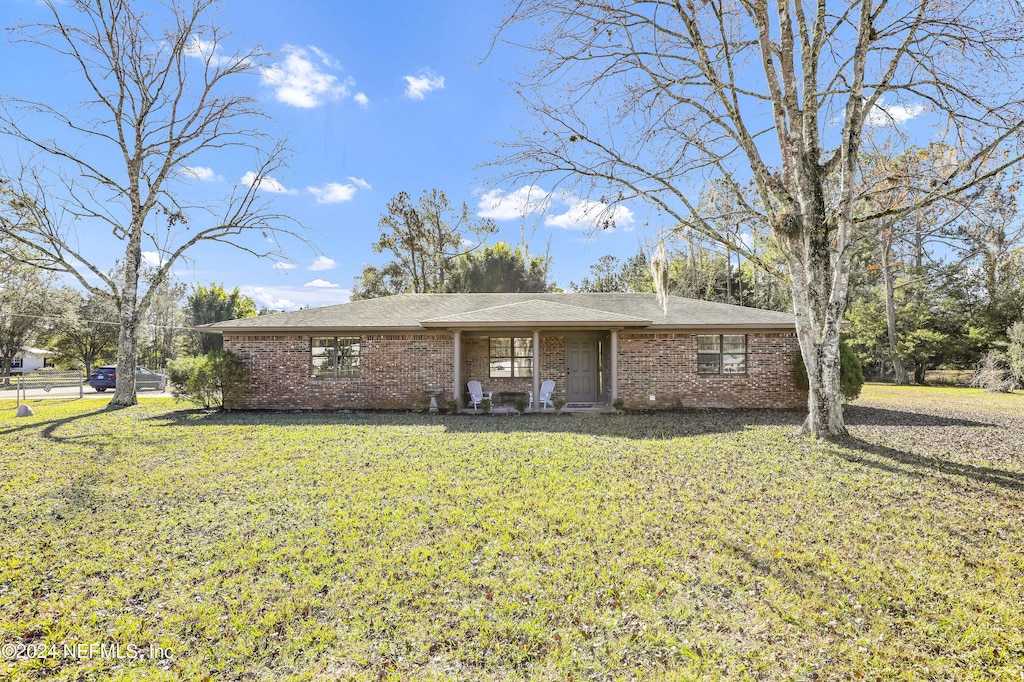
x=665, y=365
x=394, y=372
x=396, y=369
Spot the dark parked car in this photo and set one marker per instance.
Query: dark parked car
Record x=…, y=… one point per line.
x=105, y=377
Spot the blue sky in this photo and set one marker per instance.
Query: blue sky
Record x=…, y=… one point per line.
x=372, y=101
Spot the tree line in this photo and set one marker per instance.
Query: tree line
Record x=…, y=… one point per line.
x=80, y=327
x=791, y=115
x=936, y=289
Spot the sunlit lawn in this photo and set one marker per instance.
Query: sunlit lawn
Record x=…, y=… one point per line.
x=702, y=545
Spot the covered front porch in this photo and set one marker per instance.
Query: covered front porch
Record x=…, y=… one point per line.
x=513, y=349
x=513, y=365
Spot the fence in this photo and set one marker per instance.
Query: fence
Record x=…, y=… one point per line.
x=49, y=385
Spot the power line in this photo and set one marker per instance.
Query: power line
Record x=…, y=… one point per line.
x=107, y=322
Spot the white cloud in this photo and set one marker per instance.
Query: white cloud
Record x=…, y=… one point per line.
x=360, y=183
x=322, y=263
x=294, y=296
x=278, y=265
x=208, y=51
x=417, y=87
x=269, y=297
x=518, y=204
x=266, y=183
x=361, y=99
x=584, y=214
x=882, y=114
x=332, y=193
x=204, y=173
x=322, y=284
x=152, y=258
x=578, y=214
x=325, y=59
x=300, y=82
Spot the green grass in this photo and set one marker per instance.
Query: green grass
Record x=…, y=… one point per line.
x=703, y=545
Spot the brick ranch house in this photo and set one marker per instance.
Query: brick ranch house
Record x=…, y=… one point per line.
x=386, y=353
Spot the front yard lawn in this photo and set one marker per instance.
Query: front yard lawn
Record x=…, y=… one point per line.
x=157, y=543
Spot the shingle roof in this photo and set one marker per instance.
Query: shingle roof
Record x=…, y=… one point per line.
x=416, y=311
x=536, y=312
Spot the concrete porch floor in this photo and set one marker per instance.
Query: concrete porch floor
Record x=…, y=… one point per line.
x=568, y=409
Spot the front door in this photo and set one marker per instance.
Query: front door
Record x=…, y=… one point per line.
x=581, y=371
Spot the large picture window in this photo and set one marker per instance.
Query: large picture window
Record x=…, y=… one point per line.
x=335, y=356
x=721, y=354
x=511, y=357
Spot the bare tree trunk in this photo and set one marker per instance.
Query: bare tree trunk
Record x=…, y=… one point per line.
x=890, y=311
x=819, y=302
x=919, y=371
x=128, y=337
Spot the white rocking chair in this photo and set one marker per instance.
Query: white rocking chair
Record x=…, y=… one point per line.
x=477, y=393
x=546, y=389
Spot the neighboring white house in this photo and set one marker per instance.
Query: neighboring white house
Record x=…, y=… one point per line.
x=30, y=360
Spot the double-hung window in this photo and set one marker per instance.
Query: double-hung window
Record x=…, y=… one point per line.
x=335, y=356
x=510, y=357
x=721, y=354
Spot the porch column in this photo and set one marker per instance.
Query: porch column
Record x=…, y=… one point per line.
x=613, y=370
x=536, y=370
x=457, y=368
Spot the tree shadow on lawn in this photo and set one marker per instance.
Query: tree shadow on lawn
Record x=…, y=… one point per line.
x=48, y=428
x=880, y=456
x=645, y=426
x=640, y=425
x=921, y=466
x=857, y=415
x=78, y=494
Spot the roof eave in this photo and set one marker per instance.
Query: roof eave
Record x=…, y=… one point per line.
x=307, y=329
x=787, y=326
x=549, y=324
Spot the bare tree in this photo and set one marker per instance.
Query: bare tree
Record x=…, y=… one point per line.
x=158, y=96
x=648, y=98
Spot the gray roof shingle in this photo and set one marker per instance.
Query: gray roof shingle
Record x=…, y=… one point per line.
x=417, y=311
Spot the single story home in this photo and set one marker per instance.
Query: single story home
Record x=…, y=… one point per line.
x=31, y=359
x=387, y=353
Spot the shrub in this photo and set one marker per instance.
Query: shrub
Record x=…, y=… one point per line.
x=452, y=405
x=485, y=405
x=992, y=374
x=618, y=404
x=216, y=379
x=1015, y=352
x=559, y=403
x=521, y=404
x=851, y=375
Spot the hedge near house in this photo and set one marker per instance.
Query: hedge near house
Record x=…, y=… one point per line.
x=851, y=374
x=217, y=379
